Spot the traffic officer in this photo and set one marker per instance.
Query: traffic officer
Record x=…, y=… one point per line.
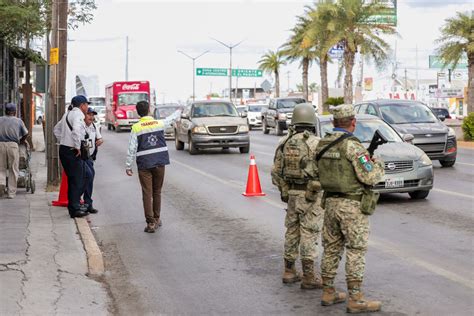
x=346, y=173
x=147, y=145
x=94, y=139
x=12, y=132
x=295, y=174
x=70, y=132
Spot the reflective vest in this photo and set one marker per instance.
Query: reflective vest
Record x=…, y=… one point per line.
x=151, y=143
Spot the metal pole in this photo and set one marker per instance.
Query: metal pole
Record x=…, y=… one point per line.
x=194, y=71
x=194, y=77
x=416, y=62
x=126, y=58
x=230, y=75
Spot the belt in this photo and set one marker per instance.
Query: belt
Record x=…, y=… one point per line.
x=354, y=197
x=300, y=187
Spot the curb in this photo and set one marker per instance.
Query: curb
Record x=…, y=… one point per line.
x=464, y=144
x=95, y=261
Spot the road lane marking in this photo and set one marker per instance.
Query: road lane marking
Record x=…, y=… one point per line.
x=380, y=244
x=262, y=153
x=465, y=163
x=388, y=247
x=454, y=193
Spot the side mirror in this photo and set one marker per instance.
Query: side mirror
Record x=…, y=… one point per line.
x=408, y=138
x=243, y=114
x=441, y=117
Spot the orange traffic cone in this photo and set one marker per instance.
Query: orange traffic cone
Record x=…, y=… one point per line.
x=253, y=181
x=62, y=200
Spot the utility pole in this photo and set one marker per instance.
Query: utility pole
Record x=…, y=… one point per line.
x=230, y=47
x=126, y=58
x=406, y=81
x=416, y=72
x=194, y=69
x=288, y=77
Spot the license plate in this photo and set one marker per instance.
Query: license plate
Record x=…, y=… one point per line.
x=394, y=183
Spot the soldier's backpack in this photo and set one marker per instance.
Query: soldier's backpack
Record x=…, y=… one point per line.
x=297, y=158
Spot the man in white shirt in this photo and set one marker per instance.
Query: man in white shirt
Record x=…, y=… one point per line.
x=94, y=139
x=70, y=131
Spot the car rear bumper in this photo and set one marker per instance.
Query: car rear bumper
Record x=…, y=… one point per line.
x=125, y=122
x=419, y=179
x=212, y=141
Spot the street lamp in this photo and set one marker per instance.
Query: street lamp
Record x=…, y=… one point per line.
x=230, y=64
x=194, y=69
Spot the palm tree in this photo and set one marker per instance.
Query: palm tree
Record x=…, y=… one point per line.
x=297, y=49
x=351, y=23
x=457, y=39
x=271, y=62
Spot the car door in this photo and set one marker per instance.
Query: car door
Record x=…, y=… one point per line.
x=271, y=113
x=183, y=124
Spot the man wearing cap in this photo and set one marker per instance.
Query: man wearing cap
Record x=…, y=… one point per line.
x=70, y=131
x=94, y=139
x=346, y=173
x=12, y=132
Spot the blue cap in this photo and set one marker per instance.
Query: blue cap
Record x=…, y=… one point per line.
x=10, y=107
x=78, y=100
x=91, y=110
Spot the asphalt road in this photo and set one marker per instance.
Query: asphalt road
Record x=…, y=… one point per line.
x=219, y=252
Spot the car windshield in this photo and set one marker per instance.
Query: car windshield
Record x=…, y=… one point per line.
x=441, y=112
x=97, y=102
x=406, y=113
x=365, y=130
x=163, y=112
x=255, y=108
x=214, y=109
x=131, y=98
x=289, y=103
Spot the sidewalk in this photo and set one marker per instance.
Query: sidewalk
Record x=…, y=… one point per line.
x=43, y=264
x=465, y=144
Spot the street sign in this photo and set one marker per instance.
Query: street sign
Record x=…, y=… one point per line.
x=449, y=93
x=217, y=72
x=266, y=85
x=247, y=72
x=437, y=63
x=337, y=51
x=54, y=56
x=387, y=16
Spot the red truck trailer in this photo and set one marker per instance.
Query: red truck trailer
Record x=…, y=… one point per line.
x=121, y=98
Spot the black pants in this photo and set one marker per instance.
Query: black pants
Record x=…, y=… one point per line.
x=74, y=168
x=89, y=174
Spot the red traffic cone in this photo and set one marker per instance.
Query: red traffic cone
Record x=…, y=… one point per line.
x=62, y=200
x=253, y=181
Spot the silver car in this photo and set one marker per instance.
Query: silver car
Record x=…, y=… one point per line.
x=407, y=168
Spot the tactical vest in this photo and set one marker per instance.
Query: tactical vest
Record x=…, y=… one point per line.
x=151, y=144
x=336, y=172
x=298, y=166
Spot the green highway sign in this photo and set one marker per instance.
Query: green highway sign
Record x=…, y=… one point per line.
x=437, y=63
x=247, y=72
x=211, y=72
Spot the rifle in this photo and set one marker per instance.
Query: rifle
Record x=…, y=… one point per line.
x=376, y=141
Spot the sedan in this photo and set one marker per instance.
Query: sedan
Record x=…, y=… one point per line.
x=407, y=168
x=254, y=114
x=165, y=110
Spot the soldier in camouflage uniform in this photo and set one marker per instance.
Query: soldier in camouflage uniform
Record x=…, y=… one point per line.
x=346, y=174
x=294, y=172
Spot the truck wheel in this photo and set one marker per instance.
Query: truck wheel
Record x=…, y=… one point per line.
x=278, y=129
x=447, y=163
x=117, y=129
x=244, y=150
x=178, y=144
x=419, y=195
x=264, y=127
x=191, y=147
x=109, y=127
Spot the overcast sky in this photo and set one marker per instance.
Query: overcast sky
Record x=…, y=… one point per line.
x=158, y=29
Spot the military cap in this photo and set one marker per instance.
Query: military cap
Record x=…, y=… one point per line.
x=342, y=111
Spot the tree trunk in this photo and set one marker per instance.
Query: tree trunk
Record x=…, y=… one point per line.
x=470, y=84
x=277, y=84
x=63, y=7
x=323, y=65
x=305, y=77
x=349, y=57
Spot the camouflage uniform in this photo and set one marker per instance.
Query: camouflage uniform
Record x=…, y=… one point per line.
x=346, y=173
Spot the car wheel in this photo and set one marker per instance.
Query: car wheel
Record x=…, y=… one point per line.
x=419, y=195
x=278, y=129
x=250, y=127
x=244, y=150
x=447, y=163
x=117, y=129
x=108, y=127
x=192, y=147
x=177, y=143
x=264, y=127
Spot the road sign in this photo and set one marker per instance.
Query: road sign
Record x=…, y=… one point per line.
x=219, y=72
x=247, y=72
x=449, y=93
x=437, y=63
x=336, y=51
x=388, y=14
x=54, y=56
x=266, y=85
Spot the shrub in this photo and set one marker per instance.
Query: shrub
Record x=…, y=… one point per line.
x=335, y=101
x=468, y=127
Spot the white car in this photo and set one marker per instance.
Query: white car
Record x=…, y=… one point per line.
x=254, y=114
x=101, y=116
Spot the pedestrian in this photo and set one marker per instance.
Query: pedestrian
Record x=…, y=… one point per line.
x=346, y=173
x=70, y=132
x=148, y=146
x=12, y=132
x=295, y=174
x=94, y=139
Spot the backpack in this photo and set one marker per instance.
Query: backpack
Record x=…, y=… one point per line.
x=297, y=159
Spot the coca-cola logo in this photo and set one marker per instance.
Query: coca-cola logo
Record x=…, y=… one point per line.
x=133, y=86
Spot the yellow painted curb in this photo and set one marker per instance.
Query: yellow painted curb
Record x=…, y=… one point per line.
x=95, y=261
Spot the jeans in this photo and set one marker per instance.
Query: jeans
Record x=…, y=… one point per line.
x=89, y=174
x=74, y=169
